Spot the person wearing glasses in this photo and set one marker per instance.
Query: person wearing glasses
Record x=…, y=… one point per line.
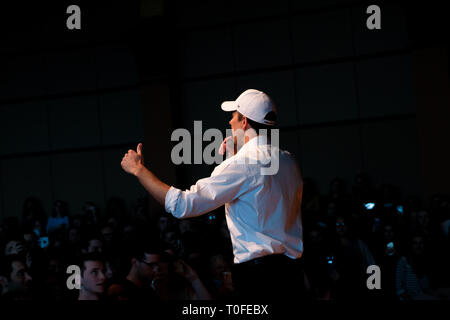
x=137, y=285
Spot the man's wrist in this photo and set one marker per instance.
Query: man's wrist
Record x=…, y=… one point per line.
x=139, y=170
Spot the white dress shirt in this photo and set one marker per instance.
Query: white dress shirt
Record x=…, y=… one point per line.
x=262, y=211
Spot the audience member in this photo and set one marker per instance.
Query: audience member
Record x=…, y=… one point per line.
x=93, y=278
x=59, y=218
x=344, y=233
x=16, y=281
x=144, y=266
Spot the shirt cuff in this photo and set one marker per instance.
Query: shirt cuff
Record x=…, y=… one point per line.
x=170, y=202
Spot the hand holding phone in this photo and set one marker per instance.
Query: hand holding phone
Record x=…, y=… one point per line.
x=390, y=250
x=330, y=259
x=185, y=270
x=43, y=242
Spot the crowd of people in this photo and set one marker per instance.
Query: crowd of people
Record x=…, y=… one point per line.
x=140, y=255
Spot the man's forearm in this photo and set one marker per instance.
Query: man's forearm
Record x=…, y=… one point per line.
x=152, y=184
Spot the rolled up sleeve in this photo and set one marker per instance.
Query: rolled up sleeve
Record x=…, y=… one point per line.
x=207, y=194
x=171, y=199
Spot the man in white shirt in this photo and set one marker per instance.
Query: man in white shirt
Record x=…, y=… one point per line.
x=262, y=206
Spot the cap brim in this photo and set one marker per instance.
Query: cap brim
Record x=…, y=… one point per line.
x=229, y=106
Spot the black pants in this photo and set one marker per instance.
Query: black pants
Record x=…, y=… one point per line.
x=269, y=278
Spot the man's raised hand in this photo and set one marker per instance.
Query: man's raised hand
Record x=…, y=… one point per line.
x=132, y=161
x=227, y=146
x=139, y=152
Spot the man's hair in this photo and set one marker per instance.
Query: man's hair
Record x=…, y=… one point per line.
x=146, y=245
x=271, y=116
x=86, y=239
x=92, y=256
x=64, y=209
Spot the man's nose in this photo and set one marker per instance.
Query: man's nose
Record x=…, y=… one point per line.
x=28, y=277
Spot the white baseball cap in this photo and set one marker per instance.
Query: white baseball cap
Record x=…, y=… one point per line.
x=253, y=104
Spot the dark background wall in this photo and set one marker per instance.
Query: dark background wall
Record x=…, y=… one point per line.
x=344, y=92
x=70, y=106
x=349, y=98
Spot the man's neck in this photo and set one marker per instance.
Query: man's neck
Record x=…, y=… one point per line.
x=133, y=277
x=249, y=135
x=87, y=295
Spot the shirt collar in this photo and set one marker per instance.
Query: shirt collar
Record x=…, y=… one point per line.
x=255, y=141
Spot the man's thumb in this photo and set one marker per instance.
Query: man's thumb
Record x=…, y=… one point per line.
x=139, y=149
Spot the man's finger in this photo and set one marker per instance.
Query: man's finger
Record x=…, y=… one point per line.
x=139, y=149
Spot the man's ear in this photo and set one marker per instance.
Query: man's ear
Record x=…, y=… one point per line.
x=245, y=123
